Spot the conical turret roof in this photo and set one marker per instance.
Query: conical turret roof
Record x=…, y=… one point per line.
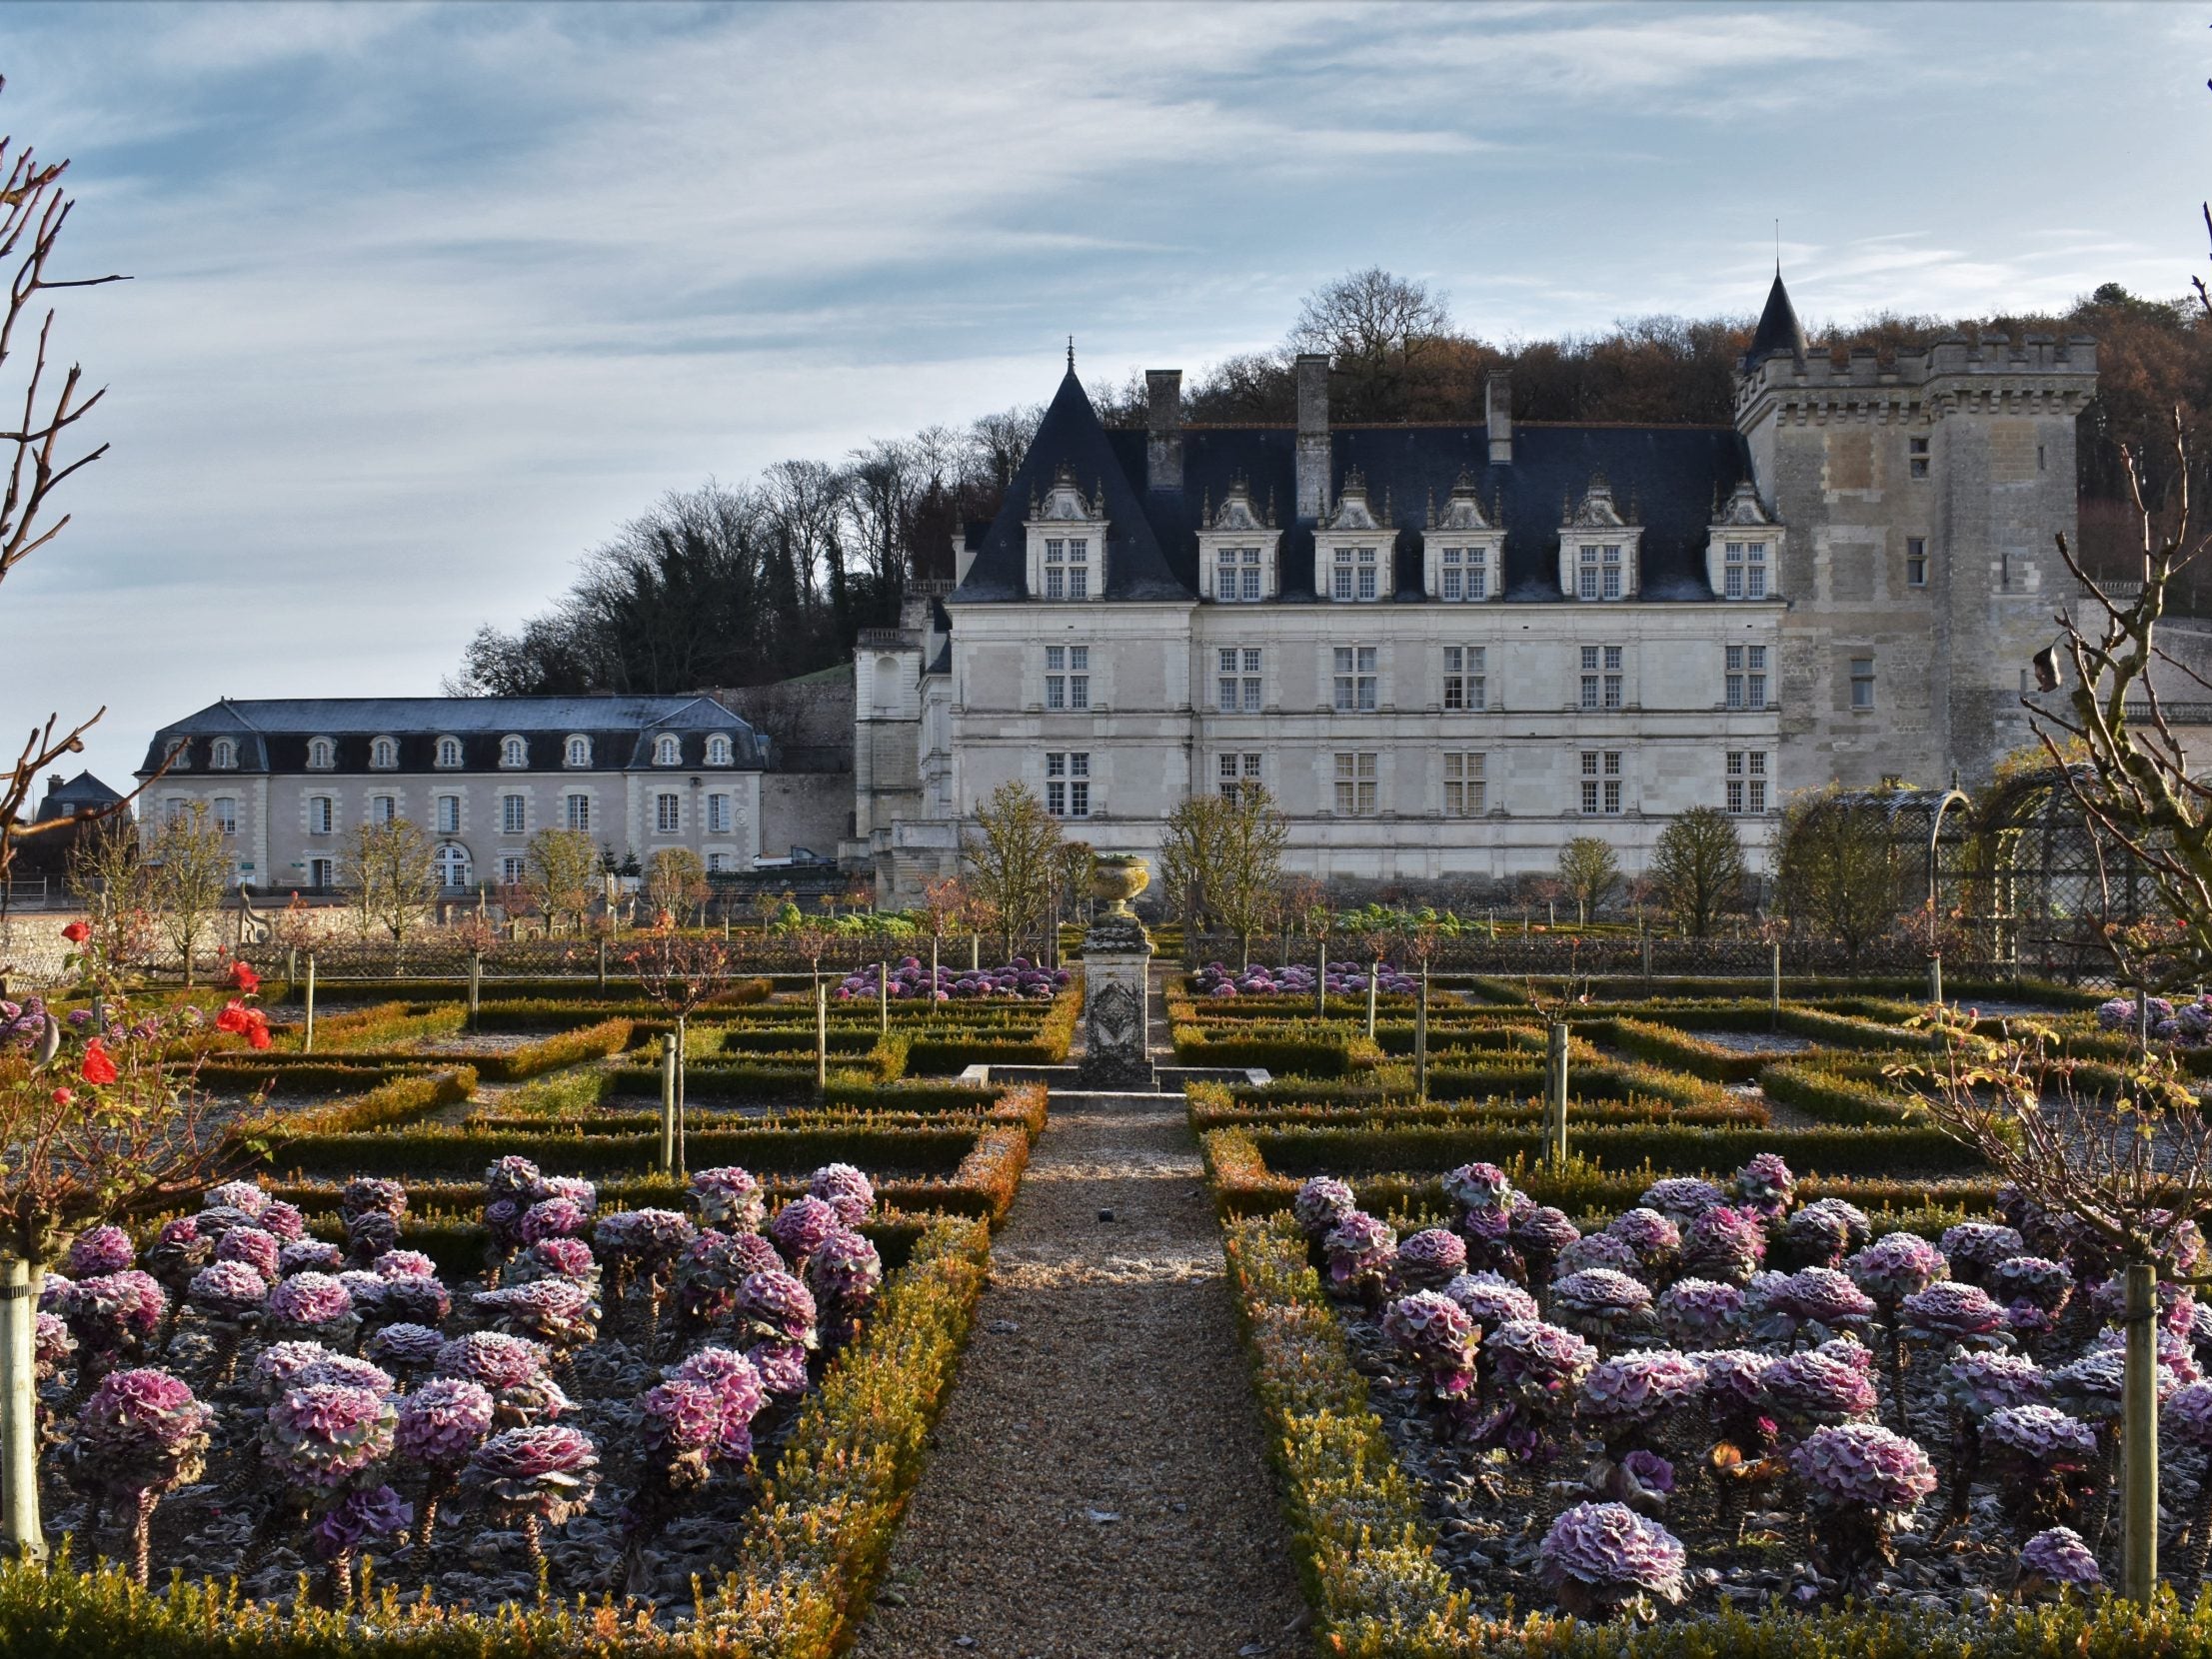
x=1777, y=330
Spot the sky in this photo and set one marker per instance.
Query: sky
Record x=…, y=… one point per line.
x=424, y=300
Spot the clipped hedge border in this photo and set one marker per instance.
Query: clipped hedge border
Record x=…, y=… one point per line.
x=1212, y=1106
x=401, y=1104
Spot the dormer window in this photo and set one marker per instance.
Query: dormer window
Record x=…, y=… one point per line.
x=580, y=752
x=222, y=756
x=1744, y=554
x=513, y=752
x=1067, y=541
x=1236, y=549
x=717, y=751
x=1466, y=555
x=180, y=754
x=384, y=754
x=667, y=751
x=1598, y=549
x=1355, y=548
x=449, y=752
x=322, y=754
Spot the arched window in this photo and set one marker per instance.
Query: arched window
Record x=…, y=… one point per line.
x=384, y=754
x=580, y=752
x=453, y=865
x=667, y=751
x=322, y=754
x=717, y=751
x=514, y=751
x=180, y=754
x=448, y=751
x=223, y=755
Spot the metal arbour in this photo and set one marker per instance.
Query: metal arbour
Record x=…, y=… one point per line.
x=2046, y=883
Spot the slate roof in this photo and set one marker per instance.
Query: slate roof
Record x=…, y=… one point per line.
x=1777, y=330
x=1669, y=478
x=273, y=734
x=82, y=792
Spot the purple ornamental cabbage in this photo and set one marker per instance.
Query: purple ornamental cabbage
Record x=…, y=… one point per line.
x=366, y=1292
x=320, y=1437
x=1433, y=1333
x=496, y=1360
x=283, y=1222
x=1724, y=1244
x=537, y=1476
x=1540, y=1232
x=1656, y=1241
x=1822, y=1387
x=1823, y=1232
x=1735, y=1394
x=557, y=1312
x=278, y=1366
x=2039, y=1457
x=2035, y=1291
x=406, y=1349
x=775, y=1307
x=2188, y=1414
x=408, y=1298
x=1814, y=1301
x=1597, y=1250
x=312, y=1305
x=359, y=1518
x=642, y=1244
x=1360, y=1249
x=348, y=1372
x=2056, y=1562
x=551, y=1219
x=728, y=1200
x=114, y=1319
x=1973, y=1248
x=405, y=1264
x=1948, y=1313
x=711, y=1270
x=1862, y=1466
x=845, y=1190
x=99, y=1250
x=555, y=1258
x=1320, y=1203
x=309, y=1255
x=140, y=1434
x=244, y=1196
x=370, y=1235
x=1490, y=1300
x=262, y=1251
x=1681, y=1198
x=1602, y=1559
x=1535, y=1370
x=844, y=1275
x=442, y=1423
x=1698, y=1312
x=51, y=1346
x=367, y=1192
x=1602, y=1304
x=800, y=1226
x=177, y=1252
x=1633, y=1392
x=1895, y=1266
x=782, y=1367
x=228, y=1292
x=738, y=1393
x=1430, y=1260
x=1765, y=1187
x=2040, y=1433
x=1978, y=1384
x=1479, y=1187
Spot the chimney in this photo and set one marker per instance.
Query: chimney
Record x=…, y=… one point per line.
x=1164, y=427
x=1497, y=416
x=1312, y=449
x=53, y=783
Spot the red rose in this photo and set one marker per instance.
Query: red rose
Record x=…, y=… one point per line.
x=233, y=1017
x=256, y=1029
x=76, y=932
x=99, y=1065
x=62, y=1097
x=244, y=978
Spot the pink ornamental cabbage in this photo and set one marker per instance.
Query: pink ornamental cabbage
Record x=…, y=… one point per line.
x=1862, y=1466
x=642, y=1242
x=1602, y=1559
x=800, y=1226
x=1540, y=1232
x=116, y=1313
x=1321, y=1203
x=259, y=1251
x=1698, y=1312
x=680, y=1419
x=309, y=1255
x=845, y=1276
x=555, y=1258
x=579, y=1191
x=1724, y=1244
x=1601, y=1303
x=2035, y=1291
x=349, y=1371
x=551, y=1219
x=1489, y=1300
x=1815, y=1299
x=775, y=1307
x=728, y=1200
x=2040, y=1438
x=1479, y=1187
x=1896, y=1266
x=1948, y=1313
x=557, y=1312
x=405, y=1264
x=51, y=1346
x=1433, y=1333
x=782, y=1367
x=1360, y=1249
x=311, y=1304
x=496, y=1360
x=845, y=1190
x=278, y=1366
x=228, y=1292
x=538, y=1475
x=1635, y=1392
x=1765, y=1187
x=1823, y=1386
x=322, y=1436
x=440, y=1424
x=1656, y=1241
x=283, y=1222
x=713, y=1268
x=1681, y=1198
x=1597, y=1250
x=1535, y=1360
x=245, y=1197
x=1430, y=1260
x=738, y=1395
x=141, y=1431
x=1823, y=1232
x=99, y=1250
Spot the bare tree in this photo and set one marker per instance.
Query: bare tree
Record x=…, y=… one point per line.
x=1190, y=859
x=188, y=871
x=393, y=870
x=1247, y=885
x=1382, y=330
x=1011, y=858
x=108, y=870
x=1589, y=872
x=1836, y=867
x=1697, y=869
x=683, y=973
x=561, y=873
x=676, y=882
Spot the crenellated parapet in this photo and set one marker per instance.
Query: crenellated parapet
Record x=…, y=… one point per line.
x=2038, y=375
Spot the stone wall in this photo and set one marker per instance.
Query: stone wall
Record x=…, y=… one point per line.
x=809, y=720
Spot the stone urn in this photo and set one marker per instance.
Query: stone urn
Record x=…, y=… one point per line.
x=1117, y=878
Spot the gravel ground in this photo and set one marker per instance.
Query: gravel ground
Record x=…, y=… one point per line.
x=1756, y=1042
x=1098, y=1484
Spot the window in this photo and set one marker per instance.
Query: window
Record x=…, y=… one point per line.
x=1067, y=784
x=319, y=819
x=1355, y=784
x=717, y=751
x=174, y=809
x=226, y=815
x=449, y=752
x=1597, y=572
x=1601, y=782
x=1353, y=576
x=1236, y=575
x=384, y=754
x=514, y=751
x=1466, y=573
x=1466, y=790
x=718, y=814
x=222, y=756
x=1067, y=676
x=668, y=812
x=1746, y=780
x=1237, y=772
x=576, y=812
x=1237, y=679
x=1601, y=676
x=383, y=809
x=580, y=752
x=1464, y=680
x=1746, y=677
x=453, y=865
x=512, y=815
x=449, y=816
x=714, y=862
x=180, y=756
x=322, y=754
x=666, y=751
x=1067, y=568
x=511, y=867
x=1744, y=567
x=1916, y=457
x=1916, y=561
x=321, y=872
x=1355, y=680
x=1862, y=681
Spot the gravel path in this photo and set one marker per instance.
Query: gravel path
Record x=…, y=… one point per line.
x=1097, y=1484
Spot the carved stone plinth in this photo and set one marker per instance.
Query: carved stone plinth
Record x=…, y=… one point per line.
x=1116, y=1005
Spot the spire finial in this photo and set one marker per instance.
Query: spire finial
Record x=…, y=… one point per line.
x=1777, y=247
x=1072, y=338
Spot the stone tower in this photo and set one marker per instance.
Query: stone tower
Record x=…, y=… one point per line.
x=1921, y=571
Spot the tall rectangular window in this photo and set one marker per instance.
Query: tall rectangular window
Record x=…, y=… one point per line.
x=1599, y=572
x=1746, y=780
x=1465, y=788
x=1744, y=567
x=449, y=815
x=1067, y=676
x=1055, y=568
x=383, y=809
x=1078, y=569
x=321, y=872
x=718, y=814
x=1355, y=680
x=668, y=814
x=1464, y=574
x=1916, y=457
x=1745, y=684
x=319, y=814
x=226, y=815
x=1067, y=784
x=1355, y=574
x=1235, y=772
x=1465, y=682
x=1355, y=778
x=1916, y=561
x=578, y=812
x=1601, y=685
x=1236, y=575
x=1237, y=679
x=1601, y=782
x=511, y=867
x=511, y=819
x=1862, y=681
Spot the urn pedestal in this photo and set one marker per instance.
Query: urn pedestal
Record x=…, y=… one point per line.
x=1116, y=993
